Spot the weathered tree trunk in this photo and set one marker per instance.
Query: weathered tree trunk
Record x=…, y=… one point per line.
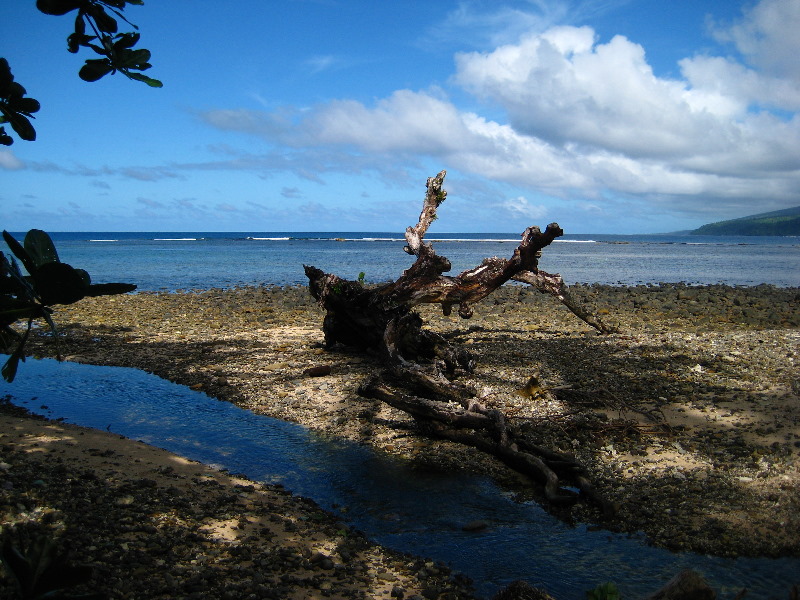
x=420, y=365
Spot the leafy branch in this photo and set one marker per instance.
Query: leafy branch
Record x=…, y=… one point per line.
x=15, y=109
x=49, y=281
x=117, y=49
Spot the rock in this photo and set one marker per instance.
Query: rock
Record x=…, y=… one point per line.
x=318, y=371
x=477, y=525
x=275, y=366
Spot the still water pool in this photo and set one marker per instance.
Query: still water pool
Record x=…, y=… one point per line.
x=394, y=503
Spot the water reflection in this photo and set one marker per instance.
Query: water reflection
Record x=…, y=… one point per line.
x=421, y=511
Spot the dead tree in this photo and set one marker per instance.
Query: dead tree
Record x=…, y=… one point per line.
x=420, y=365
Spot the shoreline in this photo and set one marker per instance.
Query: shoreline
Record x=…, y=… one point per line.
x=153, y=524
x=687, y=420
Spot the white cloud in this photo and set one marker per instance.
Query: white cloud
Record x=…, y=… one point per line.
x=291, y=192
x=585, y=119
x=317, y=64
x=564, y=87
x=767, y=37
x=727, y=88
x=405, y=121
x=520, y=207
x=9, y=161
x=149, y=203
x=498, y=25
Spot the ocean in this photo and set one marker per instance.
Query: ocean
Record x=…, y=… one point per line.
x=158, y=261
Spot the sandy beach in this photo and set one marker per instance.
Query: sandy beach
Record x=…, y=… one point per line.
x=688, y=420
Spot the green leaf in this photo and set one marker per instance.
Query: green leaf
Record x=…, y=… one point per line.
x=57, y=7
x=15, y=90
x=126, y=40
x=25, y=106
x=59, y=283
x=133, y=58
x=80, y=24
x=604, y=591
x=5, y=77
x=19, y=251
x=84, y=275
x=97, y=48
x=95, y=69
x=5, y=139
x=9, y=370
x=20, y=124
x=76, y=40
x=20, y=284
x=148, y=80
x=105, y=22
x=40, y=248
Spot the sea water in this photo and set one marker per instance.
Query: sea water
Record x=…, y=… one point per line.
x=203, y=260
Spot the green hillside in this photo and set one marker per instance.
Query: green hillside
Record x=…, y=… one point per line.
x=779, y=222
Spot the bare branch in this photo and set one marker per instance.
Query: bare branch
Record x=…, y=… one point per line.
x=554, y=285
x=424, y=362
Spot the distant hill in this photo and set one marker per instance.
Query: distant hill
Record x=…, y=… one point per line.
x=779, y=222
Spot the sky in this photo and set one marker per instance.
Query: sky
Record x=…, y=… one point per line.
x=605, y=116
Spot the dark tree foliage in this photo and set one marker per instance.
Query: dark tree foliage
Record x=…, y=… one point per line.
x=95, y=29
x=98, y=30
x=49, y=281
x=15, y=108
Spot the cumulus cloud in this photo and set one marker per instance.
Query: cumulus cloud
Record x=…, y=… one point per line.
x=593, y=98
x=767, y=37
x=583, y=118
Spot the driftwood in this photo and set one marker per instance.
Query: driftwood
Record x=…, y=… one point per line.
x=420, y=365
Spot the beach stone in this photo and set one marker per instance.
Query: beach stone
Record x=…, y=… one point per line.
x=275, y=366
x=318, y=371
x=478, y=525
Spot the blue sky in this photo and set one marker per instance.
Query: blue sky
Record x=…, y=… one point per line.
x=606, y=116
